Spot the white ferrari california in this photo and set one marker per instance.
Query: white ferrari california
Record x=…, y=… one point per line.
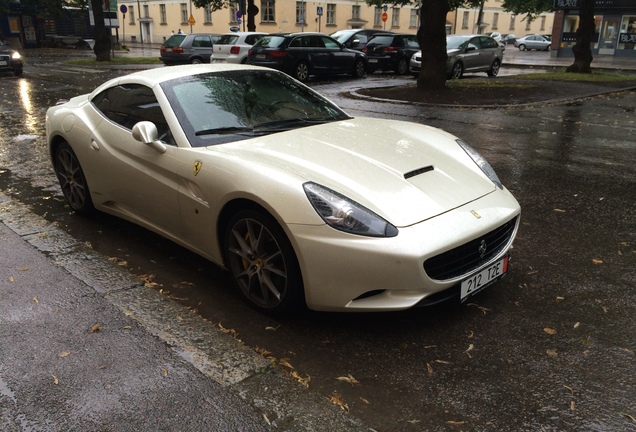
x=300, y=202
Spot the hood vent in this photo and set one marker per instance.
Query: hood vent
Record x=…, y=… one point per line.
x=418, y=171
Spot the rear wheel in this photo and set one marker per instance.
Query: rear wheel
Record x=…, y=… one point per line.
x=262, y=262
x=494, y=69
x=196, y=60
x=402, y=67
x=359, y=69
x=457, y=71
x=301, y=72
x=71, y=177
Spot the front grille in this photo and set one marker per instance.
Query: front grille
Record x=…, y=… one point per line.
x=468, y=257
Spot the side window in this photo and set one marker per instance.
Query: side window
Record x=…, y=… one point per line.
x=202, y=42
x=330, y=43
x=413, y=43
x=128, y=104
x=296, y=43
x=474, y=42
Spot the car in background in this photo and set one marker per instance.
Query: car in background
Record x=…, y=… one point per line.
x=467, y=53
x=10, y=60
x=533, y=42
x=508, y=39
x=495, y=35
x=234, y=47
x=356, y=38
x=191, y=48
x=304, y=54
x=302, y=204
x=391, y=52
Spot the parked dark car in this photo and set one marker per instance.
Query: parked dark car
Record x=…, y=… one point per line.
x=303, y=54
x=391, y=52
x=192, y=48
x=508, y=39
x=10, y=60
x=356, y=38
x=467, y=53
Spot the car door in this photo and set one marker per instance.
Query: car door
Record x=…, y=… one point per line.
x=488, y=53
x=202, y=47
x=319, y=56
x=341, y=60
x=472, y=54
x=135, y=180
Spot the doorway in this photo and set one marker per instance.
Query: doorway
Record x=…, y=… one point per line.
x=609, y=35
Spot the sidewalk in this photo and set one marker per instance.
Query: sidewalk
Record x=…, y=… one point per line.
x=86, y=347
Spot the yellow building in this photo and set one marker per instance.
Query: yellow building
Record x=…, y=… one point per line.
x=153, y=21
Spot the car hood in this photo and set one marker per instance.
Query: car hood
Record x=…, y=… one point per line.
x=402, y=171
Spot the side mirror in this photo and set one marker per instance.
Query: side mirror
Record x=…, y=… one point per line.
x=146, y=132
x=471, y=48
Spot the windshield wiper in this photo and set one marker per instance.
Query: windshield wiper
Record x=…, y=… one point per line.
x=292, y=122
x=224, y=130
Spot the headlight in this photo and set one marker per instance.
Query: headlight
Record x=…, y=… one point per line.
x=481, y=163
x=15, y=55
x=346, y=215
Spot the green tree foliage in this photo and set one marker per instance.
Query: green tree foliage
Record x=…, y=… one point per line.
x=431, y=36
x=532, y=8
x=250, y=8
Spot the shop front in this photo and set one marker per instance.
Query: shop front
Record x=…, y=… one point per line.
x=615, y=27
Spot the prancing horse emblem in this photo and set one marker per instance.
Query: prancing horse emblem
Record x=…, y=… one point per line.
x=482, y=249
x=197, y=167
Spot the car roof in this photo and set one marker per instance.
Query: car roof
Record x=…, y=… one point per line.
x=243, y=33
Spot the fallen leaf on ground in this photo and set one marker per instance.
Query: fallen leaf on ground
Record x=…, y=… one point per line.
x=349, y=379
x=95, y=328
x=302, y=380
x=597, y=261
x=336, y=400
x=55, y=380
x=64, y=354
x=35, y=299
x=550, y=331
x=551, y=353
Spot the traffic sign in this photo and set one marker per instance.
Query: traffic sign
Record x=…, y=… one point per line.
x=123, y=9
x=319, y=10
x=385, y=16
x=191, y=20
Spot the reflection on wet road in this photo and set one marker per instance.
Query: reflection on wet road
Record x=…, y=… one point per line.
x=550, y=347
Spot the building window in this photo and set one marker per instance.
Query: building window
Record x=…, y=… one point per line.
x=528, y=24
x=233, y=10
x=395, y=17
x=131, y=16
x=184, y=13
x=413, y=18
x=355, y=12
x=331, y=14
x=162, y=13
x=207, y=14
x=465, y=20
x=300, y=12
x=377, y=17
x=542, y=23
x=512, y=22
x=146, y=12
x=495, y=21
x=267, y=11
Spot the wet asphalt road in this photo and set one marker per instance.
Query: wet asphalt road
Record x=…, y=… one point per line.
x=550, y=347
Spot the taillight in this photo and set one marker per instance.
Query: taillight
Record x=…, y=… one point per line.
x=365, y=49
x=163, y=49
x=177, y=49
x=390, y=49
x=277, y=53
x=235, y=49
x=250, y=52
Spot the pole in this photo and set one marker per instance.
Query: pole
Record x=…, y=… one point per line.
x=190, y=15
x=141, y=35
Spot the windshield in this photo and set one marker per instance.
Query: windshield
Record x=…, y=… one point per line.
x=342, y=35
x=174, y=40
x=455, y=42
x=227, y=39
x=270, y=41
x=221, y=107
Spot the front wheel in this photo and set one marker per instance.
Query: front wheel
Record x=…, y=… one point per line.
x=457, y=71
x=494, y=69
x=302, y=71
x=71, y=177
x=262, y=262
x=522, y=47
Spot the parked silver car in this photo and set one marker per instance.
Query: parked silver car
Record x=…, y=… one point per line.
x=467, y=53
x=234, y=47
x=192, y=48
x=535, y=41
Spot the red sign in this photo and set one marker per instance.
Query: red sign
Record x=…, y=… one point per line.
x=385, y=16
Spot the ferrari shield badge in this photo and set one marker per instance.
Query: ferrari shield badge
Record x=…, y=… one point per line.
x=197, y=167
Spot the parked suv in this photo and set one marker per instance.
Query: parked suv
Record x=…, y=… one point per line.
x=188, y=48
x=391, y=52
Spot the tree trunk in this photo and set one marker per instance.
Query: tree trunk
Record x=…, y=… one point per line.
x=432, y=38
x=252, y=11
x=583, y=48
x=102, y=34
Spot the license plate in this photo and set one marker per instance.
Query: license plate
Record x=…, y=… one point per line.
x=3, y=63
x=260, y=56
x=373, y=60
x=481, y=280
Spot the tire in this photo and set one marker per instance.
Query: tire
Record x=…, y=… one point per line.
x=301, y=72
x=457, y=71
x=494, y=69
x=18, y=72
x=71, y=177
x=196, y=60
x=262, y=263
x=402, y=67
x=359, y=69
x=522, y=47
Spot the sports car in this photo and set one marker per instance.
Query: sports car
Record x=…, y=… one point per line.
x=302, y=203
